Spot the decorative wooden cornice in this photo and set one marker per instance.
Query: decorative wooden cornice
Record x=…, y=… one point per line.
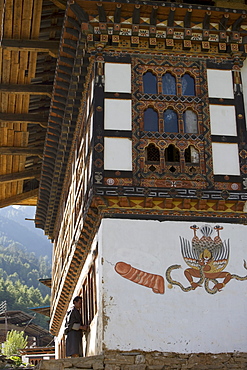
x=72, y=65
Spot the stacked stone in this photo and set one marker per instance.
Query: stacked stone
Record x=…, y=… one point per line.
x=150, y=361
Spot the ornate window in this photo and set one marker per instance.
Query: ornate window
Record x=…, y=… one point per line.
x=170, y=121
x=150, y=120
x=172, y=154
x=150, y=83
x=188, y=85
x=191, y=155
x=152, y=154
x=168, y=115
x=169, y=86
x=173, y=110
x=190, y=122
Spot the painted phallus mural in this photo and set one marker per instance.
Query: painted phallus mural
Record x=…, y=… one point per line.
x=206, y=257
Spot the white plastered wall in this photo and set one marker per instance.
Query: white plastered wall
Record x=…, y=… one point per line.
x=225, y=159
x=220, y=83
x=118, y=77
x=117, y=114
x=223, y=120
x=136, y=318
x=117, y=154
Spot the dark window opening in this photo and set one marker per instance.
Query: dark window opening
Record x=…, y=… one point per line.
x=89, y=296
x=152, y=153
x=150, y=83
x=172, y=154
x=191, y=155
x=188, y=85
x=170, y=121
x=169, y=84
x=150, y=120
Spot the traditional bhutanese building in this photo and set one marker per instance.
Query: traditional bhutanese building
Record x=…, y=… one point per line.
x=143, y=183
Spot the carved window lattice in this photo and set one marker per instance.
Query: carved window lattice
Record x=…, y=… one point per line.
x=179, y=110
x=152, y=154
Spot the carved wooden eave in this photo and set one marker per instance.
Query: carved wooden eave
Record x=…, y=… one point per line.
x=163, y=27
x=72, y=65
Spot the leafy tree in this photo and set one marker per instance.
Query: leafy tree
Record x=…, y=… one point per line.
x=15, y=341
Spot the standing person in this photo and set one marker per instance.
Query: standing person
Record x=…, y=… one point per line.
x=74, y=329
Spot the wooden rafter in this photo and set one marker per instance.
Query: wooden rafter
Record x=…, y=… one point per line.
x=22, y=175
x=19, y=198
x=27, y=89
x=14, y=150
x=24, y=118
x=61, y=4
x=31, y=45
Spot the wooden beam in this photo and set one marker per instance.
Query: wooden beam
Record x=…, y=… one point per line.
x=18, y=198
x=80, y=13
x=102, y=13
x=61, y=4
x=17, y=176
x=170, y=20
x=153, y=15
x=19, y=150
x=136, y=15
x=27, y=89
x=236, y=25
x=223, y=22
x=39, y=46
x=24, y=118
x=117, y=14
x=187, y=18
x=206, y=21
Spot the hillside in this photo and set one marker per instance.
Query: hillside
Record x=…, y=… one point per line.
x=25, y=257
x=14, y=227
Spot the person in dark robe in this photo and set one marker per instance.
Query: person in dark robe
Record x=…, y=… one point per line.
x=74, y=329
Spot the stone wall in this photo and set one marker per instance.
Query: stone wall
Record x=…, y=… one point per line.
x=150, y=361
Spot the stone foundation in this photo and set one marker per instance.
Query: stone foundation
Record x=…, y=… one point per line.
x=149, y=361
